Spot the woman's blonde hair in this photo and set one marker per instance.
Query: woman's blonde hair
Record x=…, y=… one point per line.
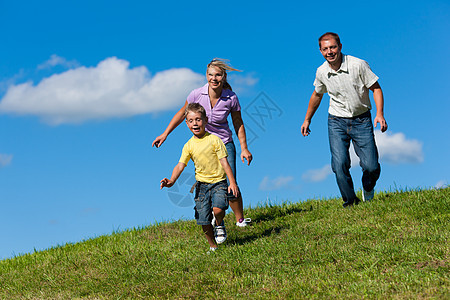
x=224, y=66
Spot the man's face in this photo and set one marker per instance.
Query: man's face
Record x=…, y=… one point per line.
x=331, y=51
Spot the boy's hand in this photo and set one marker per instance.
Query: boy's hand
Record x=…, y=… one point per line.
x=166, y=183
x=232, y=188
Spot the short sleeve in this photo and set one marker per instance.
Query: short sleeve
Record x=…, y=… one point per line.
x=219, y=148
x=367, y=76
x=185, y=155
x=235, y=106
x=320, y=87
x=191, y=97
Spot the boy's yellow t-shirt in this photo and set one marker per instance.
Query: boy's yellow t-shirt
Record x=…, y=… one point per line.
x=205, y=153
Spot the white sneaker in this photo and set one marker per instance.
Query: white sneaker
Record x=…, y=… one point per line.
x=244, y=222
x=368, y=196
x=211, y=250
x=220, y=233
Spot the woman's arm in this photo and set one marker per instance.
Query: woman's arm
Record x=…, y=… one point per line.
x=240, y=132
x=176, y=120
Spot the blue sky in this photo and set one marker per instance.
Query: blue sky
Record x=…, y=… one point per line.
x=85, y=87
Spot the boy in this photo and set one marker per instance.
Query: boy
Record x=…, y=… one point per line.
x=209, y=155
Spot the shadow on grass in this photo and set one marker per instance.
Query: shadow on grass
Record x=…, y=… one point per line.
x=273, y=212
x=258, y=228
x=251, y=236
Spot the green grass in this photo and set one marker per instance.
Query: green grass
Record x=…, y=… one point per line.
x=395, y=247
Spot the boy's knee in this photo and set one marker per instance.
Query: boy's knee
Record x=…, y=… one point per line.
x=218, y=210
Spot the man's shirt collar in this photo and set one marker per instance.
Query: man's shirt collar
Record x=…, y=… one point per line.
x=342, y=69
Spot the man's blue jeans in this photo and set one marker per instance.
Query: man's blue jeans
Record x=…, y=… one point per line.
x=359, y=130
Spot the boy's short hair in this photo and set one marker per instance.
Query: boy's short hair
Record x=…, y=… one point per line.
x=196, y=108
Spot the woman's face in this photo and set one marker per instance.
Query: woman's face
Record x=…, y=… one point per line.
x=215, y=77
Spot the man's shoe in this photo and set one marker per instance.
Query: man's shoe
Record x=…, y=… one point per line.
x=220, y=233
x=243, y=222
x=368, y=196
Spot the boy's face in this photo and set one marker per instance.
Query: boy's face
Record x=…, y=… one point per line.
x=196, y=123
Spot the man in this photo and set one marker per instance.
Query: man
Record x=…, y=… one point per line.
x=347, y=80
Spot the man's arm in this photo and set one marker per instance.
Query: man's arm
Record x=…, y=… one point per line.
x=233, y=186
x=379, y=103
x=313, y=105
x=175, y=174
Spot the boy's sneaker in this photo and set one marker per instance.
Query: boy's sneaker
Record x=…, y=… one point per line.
x=220, y=233
x=368, y=196
x=213, y=221
x=243, y=222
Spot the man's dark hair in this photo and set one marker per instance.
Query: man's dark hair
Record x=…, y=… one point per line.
x=327, y=35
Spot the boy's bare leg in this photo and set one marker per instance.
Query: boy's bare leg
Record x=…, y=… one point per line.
x=237, y=207
x=219, y=214
x=209, y=234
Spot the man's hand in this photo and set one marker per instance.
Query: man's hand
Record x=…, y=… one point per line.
x=382, y=121
x=305, y=128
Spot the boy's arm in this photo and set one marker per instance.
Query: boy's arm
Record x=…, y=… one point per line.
x=232, y=188
x=175, y=174
x=379, y=103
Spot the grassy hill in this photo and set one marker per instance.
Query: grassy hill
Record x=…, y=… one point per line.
x=396, y=247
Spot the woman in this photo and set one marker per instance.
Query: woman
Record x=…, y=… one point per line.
x=219, y=101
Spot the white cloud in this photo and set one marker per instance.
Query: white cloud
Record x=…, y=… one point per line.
x=5, y=159
x=56, y=60
x=5, y=84
x=317, y=175
x=244, y=80
x=240, y=83
x=268, y=184
x=441, y=184
x=395, y=148
x=109, y=90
